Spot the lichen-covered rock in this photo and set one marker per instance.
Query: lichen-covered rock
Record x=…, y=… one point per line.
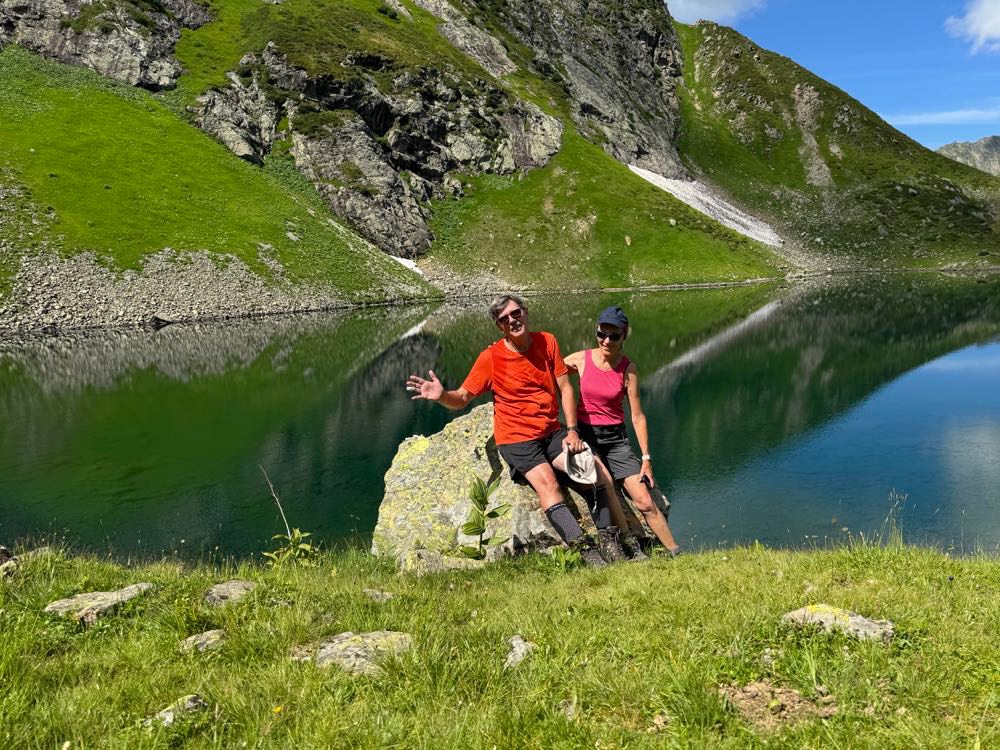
x=228, y=592
x=427, y=496
x=841, y=620
x=422, y=562
x=358, y=653
x=87, y=608
x=207, y=641
x=117, y=40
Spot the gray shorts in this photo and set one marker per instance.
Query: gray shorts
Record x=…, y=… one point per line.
x=523, y=457
x=610, y=444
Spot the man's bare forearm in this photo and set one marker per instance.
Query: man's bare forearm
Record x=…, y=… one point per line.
x=568, y=404
x=453, y=400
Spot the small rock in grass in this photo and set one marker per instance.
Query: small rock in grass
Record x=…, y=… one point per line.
x=421, y=562
x=180, y=707
x=228, y=592
x=8, y=569
x=378, y=596
x=519, y=650
x=87, y=608
x=5, y=555
x=207, y=641
x=841, y=620
x=358, y=653
x=569, y=708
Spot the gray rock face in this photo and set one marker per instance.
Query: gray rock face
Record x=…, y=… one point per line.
x=358, y=653
x=379, y=156
x=119, y=41
x=87, y=608
x=478, y=44
x=350, y=170
x=182, y=706
x=621, y=62
x=835, y=619
x=983, y=154
x=207, y=641
x=228, y=592
x=241, y=116
x=426, y=497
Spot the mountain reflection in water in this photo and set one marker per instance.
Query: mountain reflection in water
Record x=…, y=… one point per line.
x=783, y=414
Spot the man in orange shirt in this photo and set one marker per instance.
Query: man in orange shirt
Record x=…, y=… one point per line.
x=528, y=377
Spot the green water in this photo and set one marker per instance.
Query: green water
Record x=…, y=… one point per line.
x=784, y=414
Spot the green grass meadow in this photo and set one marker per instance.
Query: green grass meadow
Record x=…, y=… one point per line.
x=121, y=176
x=585, y=221
x=630, y=656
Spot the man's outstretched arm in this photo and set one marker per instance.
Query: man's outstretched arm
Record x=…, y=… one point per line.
x=433, y=390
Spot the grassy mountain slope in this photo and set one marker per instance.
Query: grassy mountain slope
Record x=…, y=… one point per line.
x=502, y=222
x=116, y=173
x=836, y=179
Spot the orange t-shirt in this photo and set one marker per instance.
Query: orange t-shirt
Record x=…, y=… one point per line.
x=525, y=403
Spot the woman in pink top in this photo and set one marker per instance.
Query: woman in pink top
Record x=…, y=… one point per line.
x=607, y=378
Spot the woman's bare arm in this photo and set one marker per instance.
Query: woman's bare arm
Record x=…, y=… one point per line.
x=638, y=418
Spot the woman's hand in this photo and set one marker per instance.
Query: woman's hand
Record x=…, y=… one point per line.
x=646, y=474
x=432, y=390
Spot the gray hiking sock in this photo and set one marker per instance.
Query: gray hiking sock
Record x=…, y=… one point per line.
x=601, y=510
x=564, y=523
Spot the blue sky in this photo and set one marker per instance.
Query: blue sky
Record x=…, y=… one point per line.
x=930, y=67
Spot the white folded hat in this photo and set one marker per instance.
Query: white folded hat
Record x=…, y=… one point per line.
x=580, y=466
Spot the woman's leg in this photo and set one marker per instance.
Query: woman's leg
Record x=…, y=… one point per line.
x=650, y=513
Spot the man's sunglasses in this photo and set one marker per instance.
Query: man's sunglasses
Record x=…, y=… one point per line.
x=512, y=315
x=605, y=335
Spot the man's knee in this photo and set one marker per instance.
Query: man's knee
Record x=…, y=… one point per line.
x=543, y=480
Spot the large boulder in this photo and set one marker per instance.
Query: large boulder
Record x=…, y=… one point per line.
x=427, y=495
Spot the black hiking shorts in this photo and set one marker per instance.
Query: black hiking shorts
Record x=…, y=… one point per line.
x=525, y=456
x=610, y=443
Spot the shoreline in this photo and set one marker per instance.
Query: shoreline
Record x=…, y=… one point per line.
x=36, y=325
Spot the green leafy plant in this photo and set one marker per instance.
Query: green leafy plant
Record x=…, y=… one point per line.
x=479, y=494
x=566, y=559
x=292, y=545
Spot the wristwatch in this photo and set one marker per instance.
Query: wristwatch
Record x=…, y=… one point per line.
x=647, y=457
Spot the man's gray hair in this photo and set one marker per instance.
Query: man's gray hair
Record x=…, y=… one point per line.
x=499, y=303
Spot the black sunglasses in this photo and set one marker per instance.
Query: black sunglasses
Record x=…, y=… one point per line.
x=512, y=315
x=605, y=335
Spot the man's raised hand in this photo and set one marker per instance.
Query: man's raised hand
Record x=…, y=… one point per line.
x=432, y=390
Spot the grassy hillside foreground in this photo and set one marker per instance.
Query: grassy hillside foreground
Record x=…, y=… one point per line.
x=112, y=171
x=631, y=656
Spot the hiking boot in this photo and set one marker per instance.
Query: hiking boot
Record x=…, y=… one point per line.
x=589, y=553
x=611, y=549
x=632, y=548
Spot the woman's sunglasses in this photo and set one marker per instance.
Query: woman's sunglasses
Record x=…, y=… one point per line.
x=605, y=335
x=512, y=315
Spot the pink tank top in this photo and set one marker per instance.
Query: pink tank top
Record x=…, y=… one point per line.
x=601, y=393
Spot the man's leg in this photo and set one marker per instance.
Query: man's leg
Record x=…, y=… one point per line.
x=542, y=479
x=652, y=515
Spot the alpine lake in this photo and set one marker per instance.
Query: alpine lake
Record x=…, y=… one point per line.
x=795, y=415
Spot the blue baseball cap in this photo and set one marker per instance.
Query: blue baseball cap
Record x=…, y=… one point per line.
x=613, y=316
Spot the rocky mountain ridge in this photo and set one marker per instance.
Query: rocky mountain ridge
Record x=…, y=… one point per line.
x=983, y=154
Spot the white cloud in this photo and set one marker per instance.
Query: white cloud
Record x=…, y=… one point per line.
x=980, y=25
x=948, y=117
x=722, y=11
